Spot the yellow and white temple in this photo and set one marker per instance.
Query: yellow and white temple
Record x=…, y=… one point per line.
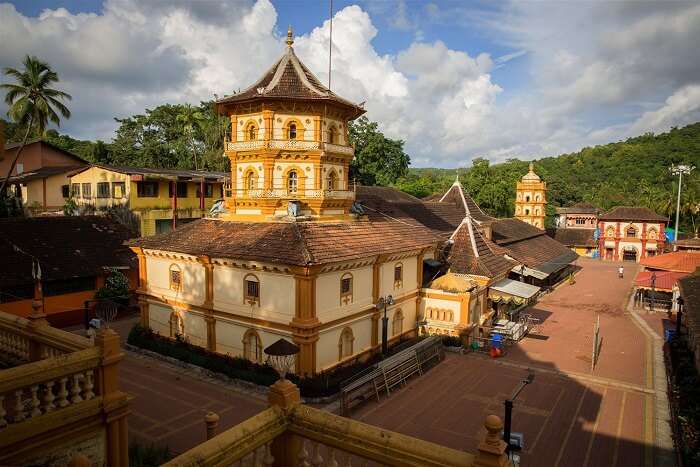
x=530, y=199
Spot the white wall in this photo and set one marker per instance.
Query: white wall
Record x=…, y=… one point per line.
x=159, y=318
x=277, y=294
x=229, y=336
x=195, y=328
x=327, y=345
x=193, y=277
x=328, y=306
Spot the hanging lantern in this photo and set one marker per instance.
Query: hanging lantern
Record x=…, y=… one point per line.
x=281, y=356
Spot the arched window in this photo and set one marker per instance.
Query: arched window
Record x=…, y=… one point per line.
x=537, y=211
x=251, y=132
x=251, y=289
x=527, y=198
x=397, y=323
x=292, y=182
x=252, y=346
x=631, y=231
x=610, y=232
x=333, y=135
x=537, y=198
x=527, y=212
x=177, y=325
x=251, y=181
x=398, y=275
x=292, y=131
x=346, y=289
x=345, y=344
x=175, y=278
x=332, y=183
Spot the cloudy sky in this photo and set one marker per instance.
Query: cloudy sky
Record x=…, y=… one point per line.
x=454, y=79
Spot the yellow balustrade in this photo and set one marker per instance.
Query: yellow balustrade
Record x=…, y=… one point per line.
x=61, y=388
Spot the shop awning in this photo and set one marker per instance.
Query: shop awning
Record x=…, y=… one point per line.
x=508, y=290
x=526, y=271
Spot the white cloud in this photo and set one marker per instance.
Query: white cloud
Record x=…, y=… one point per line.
x=595, y=71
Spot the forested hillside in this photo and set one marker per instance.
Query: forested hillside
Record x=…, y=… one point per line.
x=633, y=172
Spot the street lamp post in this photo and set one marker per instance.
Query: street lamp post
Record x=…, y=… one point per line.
x=680, y=170
x=653, y=291
x=509, y=409
x=384, y=303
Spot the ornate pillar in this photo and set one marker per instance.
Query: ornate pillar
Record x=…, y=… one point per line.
x=305, y=323
x=317, y=129
x=268, y=171
x=269, y=117
x=209, y=302
x=234, y=128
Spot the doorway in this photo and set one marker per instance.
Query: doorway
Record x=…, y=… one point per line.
x=629, y=255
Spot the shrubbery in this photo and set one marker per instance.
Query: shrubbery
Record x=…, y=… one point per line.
x=321, y=385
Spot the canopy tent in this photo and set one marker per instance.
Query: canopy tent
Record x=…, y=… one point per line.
x=510, y=291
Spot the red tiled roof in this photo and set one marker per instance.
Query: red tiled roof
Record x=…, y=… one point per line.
x=688, y=242
x=472, y=253
x=665, y=280
x=679, y=261
x=67, y=247
x=628, y=213
x=293, y=243
x=289, y=78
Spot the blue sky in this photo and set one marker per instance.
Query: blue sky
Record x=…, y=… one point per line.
x=454, y=79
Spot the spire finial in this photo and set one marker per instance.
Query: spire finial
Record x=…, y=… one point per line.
x=290, y=38
x=532, y=167
x=457, y=180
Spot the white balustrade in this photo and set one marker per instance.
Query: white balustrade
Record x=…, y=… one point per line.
x=300, y=194
x=289, y=144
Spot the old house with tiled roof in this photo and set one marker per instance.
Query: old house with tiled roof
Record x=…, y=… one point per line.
x=298, y=253
x=75, y=255
x=630, y=234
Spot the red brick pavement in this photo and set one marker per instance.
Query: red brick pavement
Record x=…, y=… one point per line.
x=569, y=416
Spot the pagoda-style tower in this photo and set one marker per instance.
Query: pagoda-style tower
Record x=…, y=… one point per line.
x=530, y=199
x=289, y=148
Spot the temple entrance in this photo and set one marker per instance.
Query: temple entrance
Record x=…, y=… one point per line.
x=629, y=254
x=609, y=254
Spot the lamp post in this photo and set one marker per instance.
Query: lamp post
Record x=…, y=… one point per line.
x=384, y=302
x=281, y=355
x=679, y=315
x=509, y=408
x=679, y=170
x=653, y=290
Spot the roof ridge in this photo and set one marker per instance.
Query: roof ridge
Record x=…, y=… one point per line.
x=305, y=251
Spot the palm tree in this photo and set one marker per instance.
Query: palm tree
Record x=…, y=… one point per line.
x=32, y=102
x=191, y=119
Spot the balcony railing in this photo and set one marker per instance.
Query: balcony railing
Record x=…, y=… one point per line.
x=289, y=433
x=298, y=194
x=288, y=144
x=58, y=381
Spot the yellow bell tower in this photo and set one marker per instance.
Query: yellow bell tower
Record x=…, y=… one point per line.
x=530, y=199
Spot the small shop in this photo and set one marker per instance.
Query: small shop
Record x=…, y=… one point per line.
x=508, y=298
x=656, y=290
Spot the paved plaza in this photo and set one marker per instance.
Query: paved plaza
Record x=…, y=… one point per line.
x=570, y=416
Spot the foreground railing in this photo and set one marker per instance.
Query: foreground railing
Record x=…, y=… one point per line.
x=292, y=434
x=60, y=383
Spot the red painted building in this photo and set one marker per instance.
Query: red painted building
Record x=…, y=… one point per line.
x=630, y=234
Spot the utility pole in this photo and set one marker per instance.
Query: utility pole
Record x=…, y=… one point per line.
x=509, y=408
x=679, y=170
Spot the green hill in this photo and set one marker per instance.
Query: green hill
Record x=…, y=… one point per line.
x=633, y=172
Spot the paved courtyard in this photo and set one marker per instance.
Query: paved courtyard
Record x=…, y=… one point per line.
x=570, y=415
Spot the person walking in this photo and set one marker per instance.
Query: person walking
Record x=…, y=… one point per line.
x=620, y=272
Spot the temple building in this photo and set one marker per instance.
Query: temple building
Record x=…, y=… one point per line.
x=299, y=254
x=630, y=234
x=576, y=228
x=530, y=199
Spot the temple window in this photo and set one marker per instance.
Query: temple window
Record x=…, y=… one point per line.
x=251, y=132
x=252, y=346
x=251, y=289
x=175, y=278
x=527, y=198
x=346, y=289
x=631, y=232
x=292, y=131
x=398, y=275
x=251, y=181
x=397, y=323
x=292, y=181
x=345, y=344
x=527, y=212
x=332, y=135
x=332, y=181
x=537, y=198
x=652, y=234
x=610, y=232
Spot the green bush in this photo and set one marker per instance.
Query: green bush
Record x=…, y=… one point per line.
x=321, y=385
x=148, y=456
x=116, y=286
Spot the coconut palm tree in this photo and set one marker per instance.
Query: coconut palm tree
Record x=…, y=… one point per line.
x=32, y=102
x=191, y=119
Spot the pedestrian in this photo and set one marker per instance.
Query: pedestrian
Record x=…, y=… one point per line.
x=620, y=272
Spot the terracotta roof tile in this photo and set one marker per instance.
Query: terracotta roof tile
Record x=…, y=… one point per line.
x=473, y=253
x=679, y=261
x=665, y=280
x=67, y=247
x=573, y=237
x=627, y=213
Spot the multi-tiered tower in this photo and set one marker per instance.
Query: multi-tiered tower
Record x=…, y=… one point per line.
x=530, y=199
x=289, y=148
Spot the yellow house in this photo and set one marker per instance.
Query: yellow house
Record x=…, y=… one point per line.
x=159, y=198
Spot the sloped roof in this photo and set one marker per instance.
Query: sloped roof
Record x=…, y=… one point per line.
x=630, y=213
x=679, y=261
x=664, y=280
x=688, y=242
x=457, y=195
x=44, y=172
x=154, y=173
x=292, y=243
x=289, y=78
x=473, y=253
x=67, y=247
x=78, y=159
x=578, y=208
x=573, y=237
